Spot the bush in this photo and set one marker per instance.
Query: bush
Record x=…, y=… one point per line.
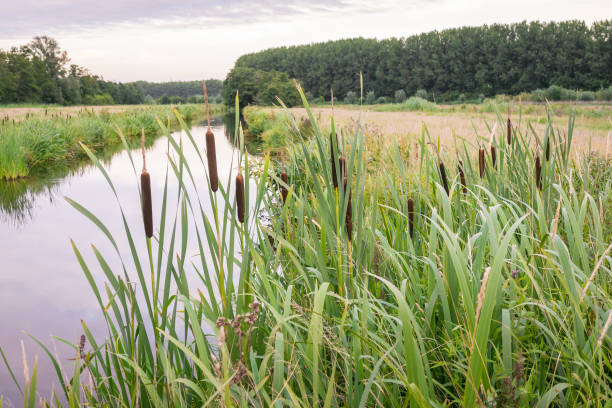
x=587, y=96
x=370, y=98
x=421, y=93
x=382, y=100
x=461, y=98
x=400, y=96
x=605, y=94
x=350, y=98
x=419, y=104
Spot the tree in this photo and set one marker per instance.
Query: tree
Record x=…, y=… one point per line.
x=400, y=96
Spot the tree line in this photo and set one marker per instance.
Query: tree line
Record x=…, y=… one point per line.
x=485, y=60
x=180, y=91
x=40, y=72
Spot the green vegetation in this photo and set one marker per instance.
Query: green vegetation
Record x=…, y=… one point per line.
x=430, y=288
x=259, y=87
x=38, y=143
x=39, y=73
x=180, y=91
x=487, y=60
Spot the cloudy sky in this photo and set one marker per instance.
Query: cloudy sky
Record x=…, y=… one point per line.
x=161, y=40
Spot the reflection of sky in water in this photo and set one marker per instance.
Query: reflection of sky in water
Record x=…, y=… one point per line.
x=43, y=291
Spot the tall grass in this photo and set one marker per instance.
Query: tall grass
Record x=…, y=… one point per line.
x=500, y=296
x=38, y=143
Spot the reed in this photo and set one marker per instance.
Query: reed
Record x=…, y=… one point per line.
x=145, y=185
x=211, y=153
x=240, y=197
x=481, y=162
x=538, y=172
x=333, y=147
x=483, y=310
x=461, y=175
x=443, y=176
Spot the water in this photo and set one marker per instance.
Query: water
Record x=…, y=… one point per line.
x=43, y=291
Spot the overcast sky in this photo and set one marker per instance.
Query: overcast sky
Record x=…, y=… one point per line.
x=162, y=40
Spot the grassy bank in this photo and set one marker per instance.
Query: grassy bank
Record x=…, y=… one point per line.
x=453, y=281
x=45, y=139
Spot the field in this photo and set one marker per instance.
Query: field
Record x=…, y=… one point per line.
x=592, y=128
x=448, y=281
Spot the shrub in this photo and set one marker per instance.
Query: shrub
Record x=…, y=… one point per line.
x=370, y=98
x=419, y=104
x=605, y=94
x=421, y=93
x=587, y=96
x=350, y=98
x=400, y=96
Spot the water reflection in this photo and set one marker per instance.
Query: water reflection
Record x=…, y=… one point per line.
x=42, y=289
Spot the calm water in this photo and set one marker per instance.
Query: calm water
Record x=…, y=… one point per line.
x=43, y=291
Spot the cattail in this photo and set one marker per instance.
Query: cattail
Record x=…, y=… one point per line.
x=462, y=176
x=145, y=183
x=333, y=160
x=349, y=210
x=538, y=172
x=411, y=216
x=443, y=176
x=509, y=132
x=547, y=149
x=284, y=191
x=481, y=162
x=211, y=152
x=493, y=155
x=240, y=197
x=342, y=166
x=212, y=160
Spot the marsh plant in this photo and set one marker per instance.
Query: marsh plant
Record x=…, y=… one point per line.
x=433, y=288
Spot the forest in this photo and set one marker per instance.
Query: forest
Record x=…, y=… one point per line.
x=40, y=72
x=486, y=60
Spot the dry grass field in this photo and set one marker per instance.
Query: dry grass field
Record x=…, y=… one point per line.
x=19, y=113
x=404, y=127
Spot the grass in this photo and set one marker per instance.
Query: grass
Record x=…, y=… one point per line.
x=41, y=141
x=500, y=297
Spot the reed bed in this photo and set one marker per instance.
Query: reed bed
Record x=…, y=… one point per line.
x=38, y=143
x=494, y=290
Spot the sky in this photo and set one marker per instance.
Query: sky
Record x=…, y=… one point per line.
x=172, y=40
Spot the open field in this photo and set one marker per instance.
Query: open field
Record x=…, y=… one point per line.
x=588, y=131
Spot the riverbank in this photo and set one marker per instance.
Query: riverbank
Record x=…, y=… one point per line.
x=36, y=140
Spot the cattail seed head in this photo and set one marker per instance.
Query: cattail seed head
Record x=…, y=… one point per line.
x=284, y=191
x=538, y=172
x=411, y=216
x=349, y=210
x=462, y=176
x=333, y=159
x=147, y=207
x=547, y=149
x=211, y=154
x=342, y=167
x=443, y=176
x=240, y=197
x=481, y=162
x=509, y=133
x=493, y=155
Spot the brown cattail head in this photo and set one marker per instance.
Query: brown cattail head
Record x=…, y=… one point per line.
x=509, y=132
x=240, y=197
x=493, y=155
x=411, y=216
x=145, y=185
x=462, y=176
x=349, y=210
x=481, y=162
x=333, y=159
x=342, y=167
x=284, y=191
x=538, y=172
x=212, y=160
x=547, y=149
x=443, y=176
x=147, y=207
